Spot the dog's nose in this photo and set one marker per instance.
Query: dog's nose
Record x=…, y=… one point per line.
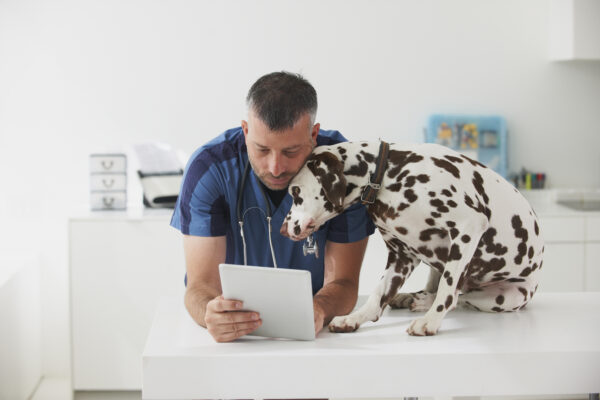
x=284, y=229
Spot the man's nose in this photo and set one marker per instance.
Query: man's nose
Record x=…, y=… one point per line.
x=276, y=165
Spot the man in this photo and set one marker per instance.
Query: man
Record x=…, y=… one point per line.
x=276, y=140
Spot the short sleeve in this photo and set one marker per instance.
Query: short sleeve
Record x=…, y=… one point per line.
x=201, y=208
x=352, y=225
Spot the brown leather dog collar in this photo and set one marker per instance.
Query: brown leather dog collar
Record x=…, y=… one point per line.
x=370, y=193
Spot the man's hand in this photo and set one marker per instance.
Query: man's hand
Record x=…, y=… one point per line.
x=225, y=322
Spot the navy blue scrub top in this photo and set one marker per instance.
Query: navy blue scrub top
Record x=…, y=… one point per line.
x=207, y=203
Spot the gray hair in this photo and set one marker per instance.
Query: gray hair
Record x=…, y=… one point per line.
x=279, y=99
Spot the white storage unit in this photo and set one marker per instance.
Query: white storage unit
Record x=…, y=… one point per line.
x=574, y=30
x=108, y=181
x=20, y=325
x=120, y=265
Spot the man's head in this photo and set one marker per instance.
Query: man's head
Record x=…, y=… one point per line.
x=280, y=132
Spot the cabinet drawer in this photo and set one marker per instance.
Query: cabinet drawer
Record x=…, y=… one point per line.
x=592, y=229
x=562, y=229
x=108, y=200
x=102, y=163
x=108, y=182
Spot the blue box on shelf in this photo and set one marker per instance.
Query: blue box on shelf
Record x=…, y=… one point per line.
x=482, y=138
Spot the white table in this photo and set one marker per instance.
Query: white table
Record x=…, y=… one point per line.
x=551, y=347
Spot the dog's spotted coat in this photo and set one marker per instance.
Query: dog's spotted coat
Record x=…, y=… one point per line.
x=478, y=234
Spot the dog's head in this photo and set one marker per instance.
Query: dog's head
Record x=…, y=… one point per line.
x=318, y=191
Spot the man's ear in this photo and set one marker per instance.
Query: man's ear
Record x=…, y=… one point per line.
x=329, y=171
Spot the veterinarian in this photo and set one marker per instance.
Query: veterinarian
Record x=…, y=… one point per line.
x=243, y=174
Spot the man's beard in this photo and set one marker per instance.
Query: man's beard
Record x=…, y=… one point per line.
x=262, y=175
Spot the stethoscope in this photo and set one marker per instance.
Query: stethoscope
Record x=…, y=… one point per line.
x=309, y=247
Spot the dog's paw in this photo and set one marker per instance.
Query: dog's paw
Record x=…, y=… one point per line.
x=346, y=323
x=422, y=301
x=423, y=327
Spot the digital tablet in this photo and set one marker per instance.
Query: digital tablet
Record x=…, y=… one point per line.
x=282, y=297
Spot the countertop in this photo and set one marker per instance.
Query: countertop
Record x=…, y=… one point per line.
x=551, y=347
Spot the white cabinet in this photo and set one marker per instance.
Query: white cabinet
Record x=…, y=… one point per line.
x=574, y=29
x=120, y=266
x=563, y=268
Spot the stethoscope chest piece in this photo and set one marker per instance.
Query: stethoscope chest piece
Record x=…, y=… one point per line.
x=310, y=246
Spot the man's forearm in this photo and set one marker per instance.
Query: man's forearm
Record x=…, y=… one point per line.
x=336, y=298
x=196, y=299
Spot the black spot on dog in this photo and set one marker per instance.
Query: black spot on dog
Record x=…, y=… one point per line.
x=410, y=181
x=296, y=195
x=520, y=233
x=410, y=195
x=515, y=280
x=500, y=300
x=536, y=228
x=451, y=203
x=451, y=224
x=382, y=211
x=425, y=251
x=447, y=193
x=297, y=230
x=401, y=230
x=473, y=162
x=367, y=156
x=453, y=159
x=453, y=188
x=440, y=308
x=403, y=206
x=441, y=253
x=394, y=187
x=440, y=206
x=497, y=309
x=465, y=238
x=397, y=160
x=430, y=221
x=364, y=144
x=447, y=166
x=425, y=235
x=453, y=233
x=530, y=253
x=449, y=300
x=359, y=169
x=423, y=178
x=525, y=272
x=435, y=214
x=490, y=247
x=454, y=253
x=480, y=208
x=431, y=194
x=341, y=150
x=478, y=184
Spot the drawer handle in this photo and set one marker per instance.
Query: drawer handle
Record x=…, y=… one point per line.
x=107, y=164
x=108, y=183
x=108, y=201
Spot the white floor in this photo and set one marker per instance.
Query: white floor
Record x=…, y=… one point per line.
x=60, y=389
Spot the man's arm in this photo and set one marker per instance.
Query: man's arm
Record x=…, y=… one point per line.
x=203, y=298
x=340, y=287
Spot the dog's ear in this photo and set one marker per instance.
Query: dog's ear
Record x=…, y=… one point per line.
x=329, y=171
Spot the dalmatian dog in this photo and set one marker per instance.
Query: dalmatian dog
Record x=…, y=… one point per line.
x=478, y=234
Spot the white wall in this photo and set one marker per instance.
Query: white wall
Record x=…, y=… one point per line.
x=78, y=76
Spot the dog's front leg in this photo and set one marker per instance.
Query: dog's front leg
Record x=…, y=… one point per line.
x=458, y=256
x=397, y=271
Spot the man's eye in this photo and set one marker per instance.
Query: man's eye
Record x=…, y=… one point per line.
x=264, y=151
x=291, y=153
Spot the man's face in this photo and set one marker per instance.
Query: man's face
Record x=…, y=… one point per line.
x=277, y=156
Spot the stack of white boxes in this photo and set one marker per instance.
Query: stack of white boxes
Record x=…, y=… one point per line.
x=108, y=181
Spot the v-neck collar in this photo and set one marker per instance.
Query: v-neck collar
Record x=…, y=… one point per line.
x=277, y=213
